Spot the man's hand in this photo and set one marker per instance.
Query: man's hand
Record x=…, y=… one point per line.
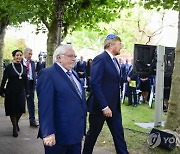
x=107, y=112
x=128, y=79
x=49, y=140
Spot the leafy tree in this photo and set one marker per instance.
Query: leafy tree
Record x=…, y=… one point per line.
x=173, y=118
x=130, y=26
x=76, y=14
x=11, y=13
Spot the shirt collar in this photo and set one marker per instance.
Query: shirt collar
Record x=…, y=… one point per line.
x=110, y=54
x=65, y=70
x=25, y=60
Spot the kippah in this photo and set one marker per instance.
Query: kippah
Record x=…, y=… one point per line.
x=111, y=36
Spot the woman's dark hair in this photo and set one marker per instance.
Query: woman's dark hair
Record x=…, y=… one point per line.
x=15, y=51
x=89, y=61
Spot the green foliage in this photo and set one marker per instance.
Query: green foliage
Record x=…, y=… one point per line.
x=76, y=13
x=126, y=27
x=15, y=11
x=159, y=4
x=12, y=44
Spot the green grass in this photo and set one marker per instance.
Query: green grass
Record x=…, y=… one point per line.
x=135, y=136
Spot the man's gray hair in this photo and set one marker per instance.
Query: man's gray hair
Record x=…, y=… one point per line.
x=26, y=50
x=61, y=50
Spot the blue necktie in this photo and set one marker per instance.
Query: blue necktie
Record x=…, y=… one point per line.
x=74, y=83
x=116, y=65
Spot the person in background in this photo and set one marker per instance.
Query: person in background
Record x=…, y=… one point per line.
x=40, y=65
x=123, y=76
x=132, y=80
x=104, y=101
x=88, y=70
x=14, y=89
x=145, y=86
x=127, y=65
x=61, y=104
x=31, y=76
x=167, y=89
x=81, y=68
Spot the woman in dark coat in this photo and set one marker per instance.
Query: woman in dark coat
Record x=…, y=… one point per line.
x=145, y=86
x=14, y=89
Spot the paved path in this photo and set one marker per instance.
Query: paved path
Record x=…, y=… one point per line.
x=26, y=142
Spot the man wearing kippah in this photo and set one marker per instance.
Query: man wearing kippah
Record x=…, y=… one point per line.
x=104, y=101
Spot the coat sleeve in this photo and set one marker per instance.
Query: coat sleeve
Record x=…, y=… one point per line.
x=45, y=92
x=3, y=83
x=97, y=73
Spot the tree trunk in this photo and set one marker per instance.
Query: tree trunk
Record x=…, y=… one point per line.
x=173, y=118
x=3, y=26
x=51, y=42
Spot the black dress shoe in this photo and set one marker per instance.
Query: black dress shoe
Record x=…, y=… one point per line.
x=15, y=133
x=34, y=124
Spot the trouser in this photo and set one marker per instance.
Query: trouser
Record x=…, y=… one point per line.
x=95, y=127
x=63, y=149
x=132, y=92
x=30, y=101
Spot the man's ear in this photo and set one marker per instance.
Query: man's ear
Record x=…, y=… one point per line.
x=58, y=57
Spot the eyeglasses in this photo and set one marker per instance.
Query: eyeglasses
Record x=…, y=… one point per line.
x=111, y=36
x=70, y=56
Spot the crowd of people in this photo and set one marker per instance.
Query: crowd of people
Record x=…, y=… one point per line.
x=61, y=91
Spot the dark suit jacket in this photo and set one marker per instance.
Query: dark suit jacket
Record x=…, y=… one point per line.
x=81, y=67
x=105, y=83
x=123, y=73
x=40, y=66
x=33, y=72
x=61, y=110
x=132, y=75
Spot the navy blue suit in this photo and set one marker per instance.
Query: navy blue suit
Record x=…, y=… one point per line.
x=61, y=110
x=132, y=90
x=105, y=84
x=30, y=99
x=40, y=66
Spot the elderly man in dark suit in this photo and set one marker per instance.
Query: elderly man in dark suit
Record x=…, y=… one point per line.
x=62, y=106
x=31, y=74
x=104, y=102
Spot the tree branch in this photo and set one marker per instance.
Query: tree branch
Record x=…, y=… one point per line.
x=45, y=22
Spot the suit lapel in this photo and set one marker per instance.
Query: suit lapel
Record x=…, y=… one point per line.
x=62, y=74
x=83, y=92
x=109, y=60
